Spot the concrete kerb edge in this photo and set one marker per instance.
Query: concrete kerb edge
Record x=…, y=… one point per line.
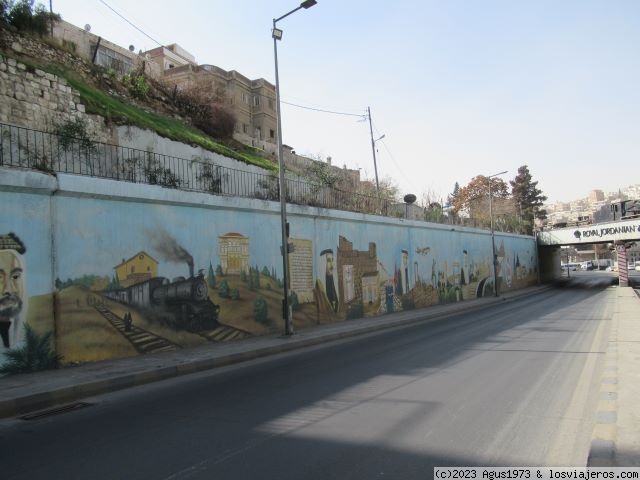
x=43, y=400
x=602, y=451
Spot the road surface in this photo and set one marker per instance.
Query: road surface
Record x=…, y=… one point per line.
x=512, y=385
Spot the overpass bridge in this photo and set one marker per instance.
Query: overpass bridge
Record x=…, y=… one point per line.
x=620, y=233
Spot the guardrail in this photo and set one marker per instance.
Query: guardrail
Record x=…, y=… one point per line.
x=32, y=149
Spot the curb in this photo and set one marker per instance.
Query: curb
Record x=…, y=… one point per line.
x=602, y=452
x=65, y=394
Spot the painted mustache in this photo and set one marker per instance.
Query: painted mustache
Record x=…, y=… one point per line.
x=10, y=305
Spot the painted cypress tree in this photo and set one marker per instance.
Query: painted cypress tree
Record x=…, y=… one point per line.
x=211, y=278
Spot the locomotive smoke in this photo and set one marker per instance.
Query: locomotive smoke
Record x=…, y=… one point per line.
x=171, y=249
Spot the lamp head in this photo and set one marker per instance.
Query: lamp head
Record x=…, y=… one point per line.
x=276, y=33
x=308, y=3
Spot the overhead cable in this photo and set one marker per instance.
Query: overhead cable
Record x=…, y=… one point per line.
x=122, y=17
x=323, y=111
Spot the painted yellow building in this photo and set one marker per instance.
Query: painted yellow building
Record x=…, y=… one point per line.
x=138, y=268
x=233, y=251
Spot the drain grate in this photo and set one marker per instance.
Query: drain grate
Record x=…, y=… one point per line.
x=54, y=411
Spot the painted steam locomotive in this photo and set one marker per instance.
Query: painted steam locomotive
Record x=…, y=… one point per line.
x=182, y=304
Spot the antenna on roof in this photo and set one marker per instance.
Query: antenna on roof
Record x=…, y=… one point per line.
x=87, y=27
x=131, y=48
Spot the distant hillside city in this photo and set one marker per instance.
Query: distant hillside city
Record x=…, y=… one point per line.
x=595, y=208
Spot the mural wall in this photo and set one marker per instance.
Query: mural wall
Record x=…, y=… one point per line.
x=151, y=270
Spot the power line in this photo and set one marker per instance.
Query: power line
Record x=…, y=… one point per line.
x=391, y=155
x=122, y=17
x=323, y=111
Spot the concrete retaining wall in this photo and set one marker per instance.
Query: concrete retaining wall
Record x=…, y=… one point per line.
x=117, y=269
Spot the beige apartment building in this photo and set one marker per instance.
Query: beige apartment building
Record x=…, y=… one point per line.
x=251, y=101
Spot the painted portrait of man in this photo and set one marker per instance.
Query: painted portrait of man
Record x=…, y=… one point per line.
x=328, y=279
x=12, y=290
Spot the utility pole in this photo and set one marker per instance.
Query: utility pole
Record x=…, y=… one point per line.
x=373, y=148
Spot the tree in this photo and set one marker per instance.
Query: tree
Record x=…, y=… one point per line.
x=529, y=199
x=211, y=278
x=24, y=16
x=453, y=196
x=219, y=270
x=260, y=310
x=433, y=213
x=223, y=289
x=474, y=197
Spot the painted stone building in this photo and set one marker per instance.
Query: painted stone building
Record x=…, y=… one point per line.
x=233, y=251
x=353, y=266
x=136, y=269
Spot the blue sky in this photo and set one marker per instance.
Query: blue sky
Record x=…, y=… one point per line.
x=459, y=88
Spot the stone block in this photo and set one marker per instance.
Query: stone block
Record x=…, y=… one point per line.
x=16, y=47
x=3, y=67
x=80, y=107
x=53, y=106
x=12, y=70
x=20, y=96
x=22, y=66
x=11, y=62
x=50, y=76
x=40, y=73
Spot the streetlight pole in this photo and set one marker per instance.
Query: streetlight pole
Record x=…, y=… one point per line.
x=493, y=240
x=286, y=280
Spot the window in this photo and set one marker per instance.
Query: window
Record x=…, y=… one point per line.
x=272, y=134
x=256, y=100
x=258, y=133
x=133, y=269
x=245, y=98
x=271, y=103
x=245, y=128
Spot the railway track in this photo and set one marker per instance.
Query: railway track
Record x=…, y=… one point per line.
x=142, y=340
x=224, y=333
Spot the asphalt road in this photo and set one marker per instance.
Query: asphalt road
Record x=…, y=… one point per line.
x=515, y=384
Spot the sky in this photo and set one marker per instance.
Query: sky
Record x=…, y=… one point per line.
x=458, y=88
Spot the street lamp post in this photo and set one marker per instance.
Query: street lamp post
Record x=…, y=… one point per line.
x=493, y=240
x=276, y=34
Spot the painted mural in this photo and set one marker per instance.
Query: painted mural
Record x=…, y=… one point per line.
x=13, y=302
x=136, y=278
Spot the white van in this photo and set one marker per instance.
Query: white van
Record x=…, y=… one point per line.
x=638, y=266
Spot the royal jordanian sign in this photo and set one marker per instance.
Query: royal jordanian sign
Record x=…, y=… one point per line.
x=599, y=233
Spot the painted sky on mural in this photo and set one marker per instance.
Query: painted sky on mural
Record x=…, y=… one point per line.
x=458, y=87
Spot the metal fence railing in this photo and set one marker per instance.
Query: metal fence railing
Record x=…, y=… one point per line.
x=32, y=149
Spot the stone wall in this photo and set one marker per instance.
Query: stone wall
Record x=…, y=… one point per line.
x=33, y=98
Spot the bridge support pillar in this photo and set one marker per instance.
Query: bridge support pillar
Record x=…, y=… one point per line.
x=623, y=271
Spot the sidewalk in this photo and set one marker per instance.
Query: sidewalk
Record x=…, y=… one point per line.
x=616, y=436
x=20, y=394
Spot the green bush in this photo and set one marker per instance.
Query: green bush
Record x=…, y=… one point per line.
x=235, y=294
x=223, y=289
x=33, y=356
x=137, y=85
x=260, y=310
x=74, y=132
